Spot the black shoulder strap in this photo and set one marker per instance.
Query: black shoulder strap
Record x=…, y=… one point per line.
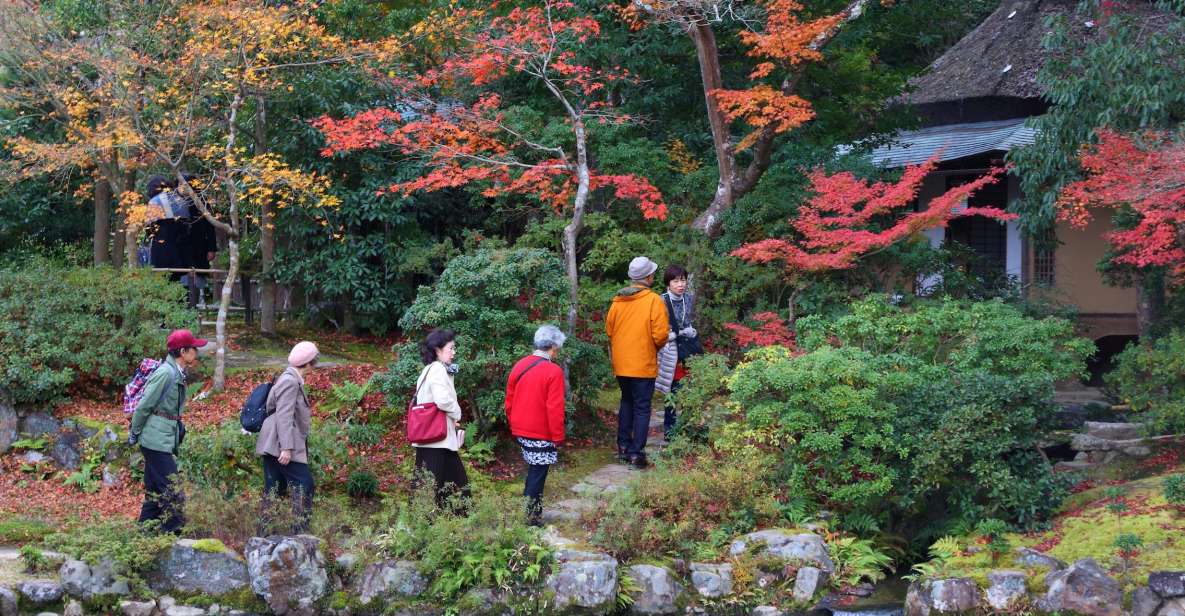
x=528, y=369
x=666, y=299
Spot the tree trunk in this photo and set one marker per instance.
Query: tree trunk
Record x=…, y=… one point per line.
x=267, y=234
x=228, y=285
x=233, y=229
x=709, y=67
x=102, y=236
x=1149, y=303
x=130, y=231
x=117, y=242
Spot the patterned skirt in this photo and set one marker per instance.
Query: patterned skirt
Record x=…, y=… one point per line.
x=538, y=452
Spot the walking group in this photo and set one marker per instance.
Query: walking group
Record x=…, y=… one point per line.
x=650, y=336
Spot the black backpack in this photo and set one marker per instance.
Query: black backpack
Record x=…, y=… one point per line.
x=255, y=408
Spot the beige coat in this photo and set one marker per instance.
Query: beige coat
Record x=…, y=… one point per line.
x=287, y=427
x=436, y=385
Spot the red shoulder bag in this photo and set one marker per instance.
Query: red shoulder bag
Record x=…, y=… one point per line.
x=425, y=422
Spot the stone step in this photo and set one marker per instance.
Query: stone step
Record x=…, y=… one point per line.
x=568, y=510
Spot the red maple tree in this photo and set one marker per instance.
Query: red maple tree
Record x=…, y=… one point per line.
x=450, y=119
x=1146, y=174
x=782, y=41
x=848, y=219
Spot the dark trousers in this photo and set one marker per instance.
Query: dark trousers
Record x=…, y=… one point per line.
x=163, y=501
x=292, y=480
x=448, y=473
x=669, y=417
x=633, y=416
x=533, y=490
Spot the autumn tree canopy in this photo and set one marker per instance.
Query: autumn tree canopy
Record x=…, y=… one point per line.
x=1143, y=174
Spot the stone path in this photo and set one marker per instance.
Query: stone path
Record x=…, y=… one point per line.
x=598, y=486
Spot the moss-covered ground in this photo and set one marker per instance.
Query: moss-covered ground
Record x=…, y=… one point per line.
x=1089, y=525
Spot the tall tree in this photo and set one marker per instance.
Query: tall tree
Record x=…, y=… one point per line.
x=782, y=43
x=189, y=111
x=65, y=86
x=451, y=119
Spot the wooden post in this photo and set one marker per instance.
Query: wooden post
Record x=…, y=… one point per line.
x=193, y=289
x=247, y=314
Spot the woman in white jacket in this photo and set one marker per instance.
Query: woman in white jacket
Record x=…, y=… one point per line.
x=436, y=385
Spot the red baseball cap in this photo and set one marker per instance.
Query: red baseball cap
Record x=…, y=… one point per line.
x=183, y=338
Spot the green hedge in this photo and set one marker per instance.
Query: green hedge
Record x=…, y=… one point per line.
x=933, y=413
x=63, y=326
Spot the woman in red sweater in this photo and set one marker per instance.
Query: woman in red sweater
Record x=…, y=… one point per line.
x=535, y=411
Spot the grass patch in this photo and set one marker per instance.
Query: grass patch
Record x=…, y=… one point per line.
x=19, y=531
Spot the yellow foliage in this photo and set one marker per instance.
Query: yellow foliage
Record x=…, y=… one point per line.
x=682, y=160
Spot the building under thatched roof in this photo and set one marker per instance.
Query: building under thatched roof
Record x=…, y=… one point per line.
x=991, y=73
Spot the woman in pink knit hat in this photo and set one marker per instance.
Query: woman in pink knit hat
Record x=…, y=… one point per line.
x=283, y=439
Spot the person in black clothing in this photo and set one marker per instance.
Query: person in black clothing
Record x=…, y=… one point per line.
x=167, y=242
x=201, y=239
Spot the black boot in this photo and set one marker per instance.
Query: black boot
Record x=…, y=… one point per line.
x=639, y=461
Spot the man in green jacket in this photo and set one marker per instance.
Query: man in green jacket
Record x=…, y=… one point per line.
x=156, y=426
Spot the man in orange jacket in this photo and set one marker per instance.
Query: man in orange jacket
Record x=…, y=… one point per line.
x=637, y=327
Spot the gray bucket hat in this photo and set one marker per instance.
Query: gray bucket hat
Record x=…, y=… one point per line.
x=641, y=267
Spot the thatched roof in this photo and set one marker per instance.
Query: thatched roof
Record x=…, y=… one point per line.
x=1000, y=58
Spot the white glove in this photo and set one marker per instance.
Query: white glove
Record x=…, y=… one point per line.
x=670, y=336
x=688, y=332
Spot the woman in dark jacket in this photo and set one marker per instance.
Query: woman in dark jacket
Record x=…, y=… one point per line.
x=283, y=439
x=535, y=412
x=681, y=314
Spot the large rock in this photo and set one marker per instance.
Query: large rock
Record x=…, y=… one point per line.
x=40, y=592
x=1006, y=589
x=202, y=566
x=584, y=579
x=137, y=608
x=711, y=580
x=807, y=582
x=1173, y=607
x=73, y=608
x=288, y=573
x=85, y=582
x=67, y=449
x=766, y=610
x=1028, y=557
x=8, y=425
x=37, y=424
x=805, y=548
x=1083, y=588
x=1145, y=602
x=947, y=596
x=658, y=591
x=391, y=578
x=1113, y=431
x=8, y=602
x=1167, y=584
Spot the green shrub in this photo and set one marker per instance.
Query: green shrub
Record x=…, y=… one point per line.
x=365, y=434
x=494, y=299
x=899, y=417
x=35, y=560
x=490, y=547
x=1174, y=490
x=221, y=458
x=701, y=396
x=692, y=511
x=1152, y=379
x=60, y=326
x=131, y=549
x=362, y=484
